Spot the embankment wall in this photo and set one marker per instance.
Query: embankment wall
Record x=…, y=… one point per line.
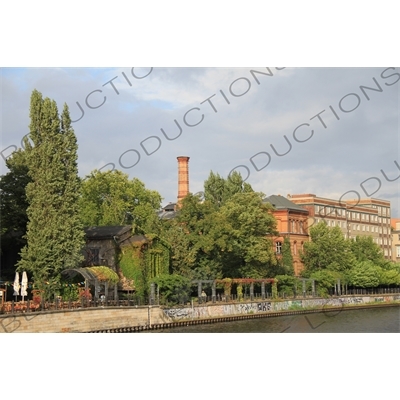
x=114, y=318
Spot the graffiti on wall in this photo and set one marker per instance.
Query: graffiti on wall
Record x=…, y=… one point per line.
x=261, y=307
x=12, y=323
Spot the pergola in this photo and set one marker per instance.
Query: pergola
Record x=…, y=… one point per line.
x=97, y=277
x=214, y=282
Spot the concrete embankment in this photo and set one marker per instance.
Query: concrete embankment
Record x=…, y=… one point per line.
x=132, y=319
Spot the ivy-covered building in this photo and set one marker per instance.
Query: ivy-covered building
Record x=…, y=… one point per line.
x=135, y=258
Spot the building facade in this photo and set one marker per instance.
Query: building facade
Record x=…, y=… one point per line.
x=360, y=217
x=395, y=224
x=292, y=222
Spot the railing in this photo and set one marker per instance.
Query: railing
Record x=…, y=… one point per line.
x=29, y=306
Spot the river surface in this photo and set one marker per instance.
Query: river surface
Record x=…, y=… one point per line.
x=374, y=320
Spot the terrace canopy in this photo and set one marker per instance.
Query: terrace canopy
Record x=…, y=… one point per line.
x=97, y=277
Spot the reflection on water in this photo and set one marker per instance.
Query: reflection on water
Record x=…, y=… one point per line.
x=375, y=320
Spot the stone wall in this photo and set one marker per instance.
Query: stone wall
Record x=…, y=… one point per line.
x=103, y=319
x=84, y=320
x=225, y=310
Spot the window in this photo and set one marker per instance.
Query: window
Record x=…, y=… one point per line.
x=397, y=251
x=93, y=255
x=278, y=247
x=295, y=248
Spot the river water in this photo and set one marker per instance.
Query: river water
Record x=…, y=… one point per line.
x=374, y=320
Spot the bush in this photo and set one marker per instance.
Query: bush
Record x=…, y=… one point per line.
x=174, y=289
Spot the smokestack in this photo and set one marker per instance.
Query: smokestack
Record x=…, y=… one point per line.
x=183, y=177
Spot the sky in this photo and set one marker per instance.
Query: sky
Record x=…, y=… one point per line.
x=328, y=131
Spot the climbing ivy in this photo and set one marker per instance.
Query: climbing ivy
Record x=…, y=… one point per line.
x=131, y=267
x=143, y=263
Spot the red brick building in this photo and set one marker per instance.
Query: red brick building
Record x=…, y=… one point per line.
x=292, y=222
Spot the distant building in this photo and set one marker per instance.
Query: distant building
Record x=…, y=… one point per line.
x=395, y=225
x=292, y=222
x=363, y=217
x=108, y=245
x=168, y=212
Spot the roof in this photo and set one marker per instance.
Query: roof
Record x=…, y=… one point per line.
x=106, y=232
x=102, y=274
x=394, y=222
x=167, y=214
x=282, y=203
x=170, y=211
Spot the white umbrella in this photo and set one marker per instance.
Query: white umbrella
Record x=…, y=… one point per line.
x=16, y=284
x=24, y=285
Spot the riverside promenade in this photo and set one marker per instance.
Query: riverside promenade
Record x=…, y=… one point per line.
x=139, y=318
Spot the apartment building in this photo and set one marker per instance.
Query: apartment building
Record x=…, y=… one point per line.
x=361, y=217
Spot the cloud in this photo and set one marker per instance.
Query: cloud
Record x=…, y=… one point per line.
x=227, y=116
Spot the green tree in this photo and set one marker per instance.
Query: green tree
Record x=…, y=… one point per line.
x=193, y=238
x=173, y=288
x=328, y=249
x=248, y=230
x=55, y=235
x=390, y=274
x=364, y=249
x=111, y=198
x=364, y=274
x=218, y=190
x=325, y=280
x=287, y=257
x=13, y=200
x=229, y=241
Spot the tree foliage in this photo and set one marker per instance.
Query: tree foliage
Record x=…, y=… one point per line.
x=173, y=288
x=111, y=198
x=328, y=249
x=217, y=190
x=55, y=235
x=364, y=274
x=365, y=249
x=287, y=257
x=230, y=240
x=13, y=200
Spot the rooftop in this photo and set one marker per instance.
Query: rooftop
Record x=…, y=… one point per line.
x=282, y=203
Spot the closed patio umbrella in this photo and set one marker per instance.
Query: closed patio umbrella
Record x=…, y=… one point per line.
x=16, y=285
x=24, y=285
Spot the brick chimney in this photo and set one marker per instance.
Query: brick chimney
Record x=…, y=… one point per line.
x=183, y=177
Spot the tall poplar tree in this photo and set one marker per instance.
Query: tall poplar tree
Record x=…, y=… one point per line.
x=55, y=235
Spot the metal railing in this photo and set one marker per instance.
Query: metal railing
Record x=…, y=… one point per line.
x=29, y=306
